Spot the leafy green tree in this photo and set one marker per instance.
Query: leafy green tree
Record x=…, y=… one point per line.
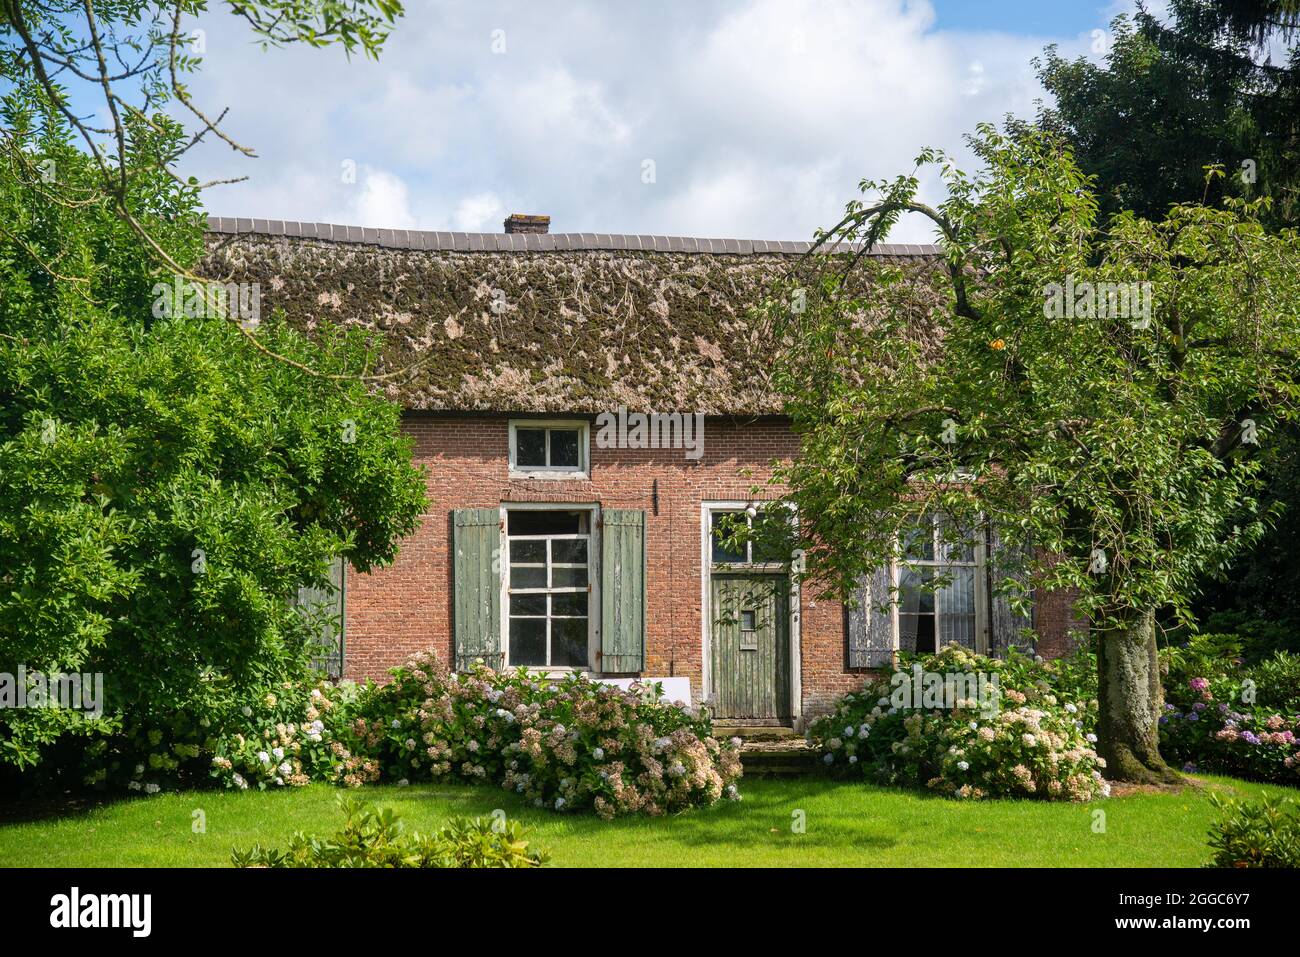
x=1174, y=95
x=172, y=469
x=1108, y=443
x=1173, y=98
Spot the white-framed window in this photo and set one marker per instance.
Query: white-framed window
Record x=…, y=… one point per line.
x=952, y=611
x=550, y=449
x=550, y=609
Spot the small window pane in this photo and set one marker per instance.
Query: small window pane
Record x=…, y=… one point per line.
x=564, y=448
x=918, y=542
x=570, y=604
x=569, y=551
x=915, y=595
x=523, y=577
x=746, y=621
x=530, y=447
x=527, y=521
x=770, y=541
x=527, y=553
x=528, y=641
x=721, y=524
x=568, y=578
x=528, y=605
x=569, y=642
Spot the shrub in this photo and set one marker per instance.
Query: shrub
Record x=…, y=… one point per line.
x=373, y=837
x=1214, y=721
x=568, y=745
x=1265, y=833
x=1036, y=741
x=300, y=738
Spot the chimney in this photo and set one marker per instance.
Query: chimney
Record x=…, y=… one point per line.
x=523, y=223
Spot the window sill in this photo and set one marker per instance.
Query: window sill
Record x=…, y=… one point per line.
x=548, y=475
x=555, y=672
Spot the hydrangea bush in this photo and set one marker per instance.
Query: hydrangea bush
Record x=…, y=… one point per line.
x=1037, y=742
x=569, y=745
x=297, y=742
x=1224, y=718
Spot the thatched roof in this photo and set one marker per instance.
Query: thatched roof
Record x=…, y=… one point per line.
x=540, y=323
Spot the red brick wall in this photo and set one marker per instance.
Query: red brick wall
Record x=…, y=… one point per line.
x=407, y=607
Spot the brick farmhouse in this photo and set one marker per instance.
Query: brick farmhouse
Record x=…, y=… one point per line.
x=566, y=528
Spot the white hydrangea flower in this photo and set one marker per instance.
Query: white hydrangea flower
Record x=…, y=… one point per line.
x=151, y=788
x=963, y=765
x=1091, y=738
x=598, y=754
x=403, y=783
x=263, y=757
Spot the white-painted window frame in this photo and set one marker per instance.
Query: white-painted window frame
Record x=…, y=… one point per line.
x=980, y=565
x=581, y=471
x=593, y=579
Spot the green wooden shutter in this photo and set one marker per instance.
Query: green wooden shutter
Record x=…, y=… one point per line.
x=325, y=609
x=871, y=623
x=1006, y=625
x=476, y=610
x=622, y=591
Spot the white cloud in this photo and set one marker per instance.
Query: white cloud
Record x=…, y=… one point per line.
x=476, y=214
x=384, y=201
x=761, y=115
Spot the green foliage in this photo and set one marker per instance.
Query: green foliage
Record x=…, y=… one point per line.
x=1223, y=716
x=1173, y=96
x=1264, y=833
x=1032, y=739
x=373, y=837
x=166, y=485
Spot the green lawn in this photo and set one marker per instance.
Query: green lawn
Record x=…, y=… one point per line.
x=846, y=824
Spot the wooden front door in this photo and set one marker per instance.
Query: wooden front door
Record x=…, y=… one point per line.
x=750, y=670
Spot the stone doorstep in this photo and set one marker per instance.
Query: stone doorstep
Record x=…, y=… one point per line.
x=771, y=751
x=751, y=735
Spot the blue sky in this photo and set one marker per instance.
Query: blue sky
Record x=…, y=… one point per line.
x=1068, y=18
x=737, y=118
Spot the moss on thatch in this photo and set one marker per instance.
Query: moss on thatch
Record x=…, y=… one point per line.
x=572, y=331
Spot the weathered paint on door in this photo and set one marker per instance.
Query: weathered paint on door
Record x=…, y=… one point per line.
x=751, y=646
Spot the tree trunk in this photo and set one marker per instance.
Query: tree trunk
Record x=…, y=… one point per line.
x=1128, y=691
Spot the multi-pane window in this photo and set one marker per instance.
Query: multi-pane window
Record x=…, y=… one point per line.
x=765, y=544
x=549, y=447
x=548, y=588
x=936, y=589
